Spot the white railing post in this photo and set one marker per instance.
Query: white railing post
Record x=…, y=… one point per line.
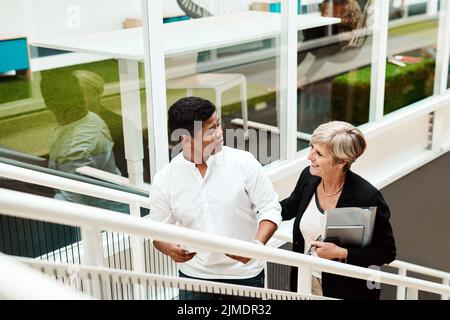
x=441, y=73
x=380, y=20
x=130, y=96
x=443, y=50
x=155, y=84
x=412, y=294
x=137, y=243
x=401, y=291
x=92, y=245
x=137, y=253
x=288, y=80
x=93, y=254
x=437, y=130
x=445, y=282
x=432, y=7
x=304, y=280
x=266, y=276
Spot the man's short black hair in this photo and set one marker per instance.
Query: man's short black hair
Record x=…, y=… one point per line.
x=62, y=90
x=63, y=96
x=184, y=113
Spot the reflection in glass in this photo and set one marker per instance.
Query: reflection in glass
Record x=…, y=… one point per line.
x=93, y=86
x=410, y=70
x=331, y=59
x=82, y=138
x=241, y=80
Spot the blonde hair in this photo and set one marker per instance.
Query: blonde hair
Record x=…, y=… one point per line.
x=345, y=141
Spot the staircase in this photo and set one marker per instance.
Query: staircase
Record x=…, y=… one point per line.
x=193, y=10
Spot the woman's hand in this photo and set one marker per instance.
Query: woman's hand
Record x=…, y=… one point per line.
x=330, y=251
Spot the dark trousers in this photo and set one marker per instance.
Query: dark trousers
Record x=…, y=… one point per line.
x=257, y=281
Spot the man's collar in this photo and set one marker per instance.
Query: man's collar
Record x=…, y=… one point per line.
x=209, y=162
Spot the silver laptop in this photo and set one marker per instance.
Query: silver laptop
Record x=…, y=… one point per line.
x=347, y=235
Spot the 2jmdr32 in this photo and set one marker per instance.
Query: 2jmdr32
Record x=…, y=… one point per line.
x=246, y=309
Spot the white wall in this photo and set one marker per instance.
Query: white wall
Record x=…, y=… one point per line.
x=171, y=8
x=72, y=17
x=49, y=18
x=14, y=17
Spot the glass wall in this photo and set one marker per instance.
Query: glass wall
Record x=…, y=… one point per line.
x=62, y=110
x=231, y=59
x=334, y=67
x=412, y=42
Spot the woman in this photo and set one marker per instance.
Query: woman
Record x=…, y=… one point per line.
x=328, y=183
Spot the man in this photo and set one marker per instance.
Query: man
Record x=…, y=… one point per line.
x=93, y=87
x=215, y=189
x=81, y=138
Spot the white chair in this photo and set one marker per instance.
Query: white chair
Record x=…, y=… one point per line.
x=181, y=74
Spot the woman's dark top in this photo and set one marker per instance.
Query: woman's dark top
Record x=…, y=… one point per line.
x=357, y=192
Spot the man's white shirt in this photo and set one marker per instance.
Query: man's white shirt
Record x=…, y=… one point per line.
x=231, y=200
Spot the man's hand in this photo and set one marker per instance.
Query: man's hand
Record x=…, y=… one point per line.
x=174, y=251
x=179, y=254
x=244, y=260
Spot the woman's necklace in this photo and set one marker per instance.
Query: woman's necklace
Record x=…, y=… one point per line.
x=332, y=194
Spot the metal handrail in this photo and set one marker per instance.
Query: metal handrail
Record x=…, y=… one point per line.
x=287, y=237
x=25, y=157
x=420, y=269
x=402, y=266
x=405, y=267
x=70, y=176
x=163, y=280
x=26, y=175
x=49, y=180
x=21, y=282
x=51, y=210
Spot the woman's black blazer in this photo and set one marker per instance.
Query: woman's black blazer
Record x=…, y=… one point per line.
x=357, y=192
